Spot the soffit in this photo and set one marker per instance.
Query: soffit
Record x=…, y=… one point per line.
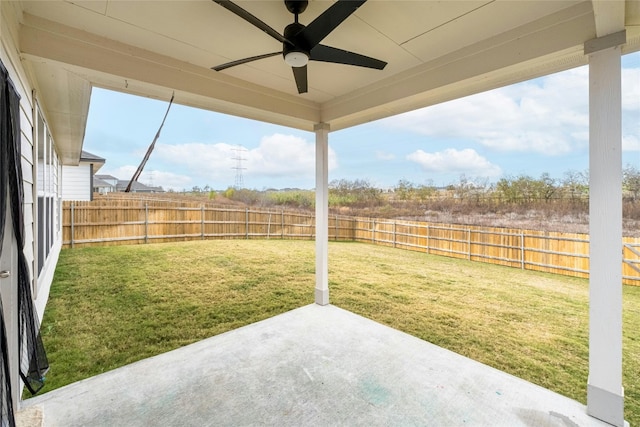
x=436, y=50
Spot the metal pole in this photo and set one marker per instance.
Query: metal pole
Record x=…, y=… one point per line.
x=428, y=251
x=146, y=223
x=269, y=226
x=395, y=224
x=522, y=249
x=72, y=222
x=202, y=222
x=373, y=231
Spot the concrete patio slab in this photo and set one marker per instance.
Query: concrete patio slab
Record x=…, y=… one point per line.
x=316, y=365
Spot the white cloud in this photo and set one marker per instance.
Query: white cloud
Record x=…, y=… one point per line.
x=383, y=155
x=276, y=156
x=631, y=109
x=631, y=89
x=466, y=161
x=630, y=143
x=281, y=155
x=548, y=115
x=213, y=161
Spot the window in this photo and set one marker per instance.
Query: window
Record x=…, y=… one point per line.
x=48, y=190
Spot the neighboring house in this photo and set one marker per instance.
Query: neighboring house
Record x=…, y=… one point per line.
x=104, y=184
x=77, y=181
x=138, y=187
x=53, y=52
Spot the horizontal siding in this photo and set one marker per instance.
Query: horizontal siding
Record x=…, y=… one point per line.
x=9, y=25
x=76, y=182
x=28, y=197
x=21, y=83
x=9, y=12
x=27, y=171
x=27, y=154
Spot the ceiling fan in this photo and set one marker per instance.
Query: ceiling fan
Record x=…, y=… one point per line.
x=300, y=43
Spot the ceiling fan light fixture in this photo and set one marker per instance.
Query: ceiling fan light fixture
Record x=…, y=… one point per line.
x=300, y=43
x=296, y=59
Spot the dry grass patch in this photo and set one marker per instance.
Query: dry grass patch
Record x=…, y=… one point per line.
x=114, y=305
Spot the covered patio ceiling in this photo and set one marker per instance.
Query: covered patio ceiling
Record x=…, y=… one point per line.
x=435, y=50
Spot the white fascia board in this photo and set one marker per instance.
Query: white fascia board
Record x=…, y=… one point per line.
x=41, y=38
x=484, y=65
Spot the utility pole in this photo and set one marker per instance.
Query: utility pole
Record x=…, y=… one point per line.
x=238, y=167
x=138, y=171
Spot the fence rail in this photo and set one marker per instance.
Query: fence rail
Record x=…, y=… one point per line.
x=130, y=221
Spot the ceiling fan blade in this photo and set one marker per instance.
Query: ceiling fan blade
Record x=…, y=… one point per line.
x=244, y=61
x=300, y=74
x=234, y=8
x=333, y=54
x=320, y=28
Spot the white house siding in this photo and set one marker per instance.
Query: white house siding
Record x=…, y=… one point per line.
x=9, y=22
x=77, y=180
x=8, y=32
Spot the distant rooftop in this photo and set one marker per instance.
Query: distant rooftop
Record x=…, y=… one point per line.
x=105, y=177
x=138, y=187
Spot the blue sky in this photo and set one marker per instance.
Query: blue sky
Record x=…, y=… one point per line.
x=535, y=127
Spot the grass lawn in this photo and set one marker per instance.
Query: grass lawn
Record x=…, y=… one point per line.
x=114, y=305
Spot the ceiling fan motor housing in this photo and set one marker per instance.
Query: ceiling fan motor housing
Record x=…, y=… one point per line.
x=301, y=43
x=296, y=55
x=296, y=6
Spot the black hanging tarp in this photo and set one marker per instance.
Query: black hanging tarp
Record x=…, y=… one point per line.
x=6, y=404
x=32, y=357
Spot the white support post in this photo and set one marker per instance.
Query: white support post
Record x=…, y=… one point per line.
x=322, y=214
x=605, y=394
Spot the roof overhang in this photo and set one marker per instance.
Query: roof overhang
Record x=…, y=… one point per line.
x=433, y=63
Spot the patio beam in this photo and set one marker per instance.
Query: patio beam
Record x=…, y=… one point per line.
x=118, y=66
x=322, y=213
x=608, y=16
x=605, y=394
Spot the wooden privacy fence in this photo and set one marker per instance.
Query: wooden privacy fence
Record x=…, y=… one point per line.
x=130, y=221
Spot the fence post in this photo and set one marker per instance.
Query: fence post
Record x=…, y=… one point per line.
x=269, y=227
x=337, y=229
x=246, y=223
x=72, y=224
x=395, y=224
x=282, y=229
x=428, y=251
x=146, y=223
x=373, y=231
x=522, y=249
x=202, y=222
x=469, y=242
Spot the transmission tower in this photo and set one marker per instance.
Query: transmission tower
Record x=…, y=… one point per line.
x=238, y=167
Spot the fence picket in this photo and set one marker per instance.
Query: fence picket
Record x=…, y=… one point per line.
x=113, y=221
